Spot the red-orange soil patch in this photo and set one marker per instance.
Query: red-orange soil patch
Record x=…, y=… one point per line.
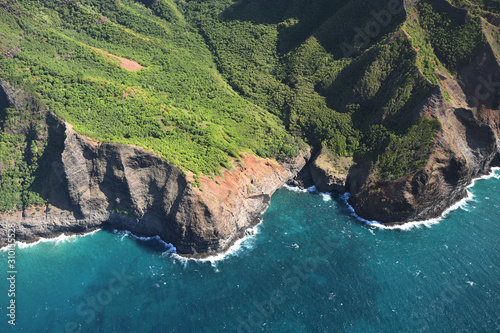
x=247, y=176
x=128, y=64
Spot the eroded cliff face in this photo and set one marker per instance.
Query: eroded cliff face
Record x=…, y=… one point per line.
x=465, y=148
x=88, y=184
x=329, y=172
x=222, y=208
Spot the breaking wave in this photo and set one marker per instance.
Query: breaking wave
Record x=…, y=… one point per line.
x=169, y=248
x=244, y=243
x=59, y=239
x=430, y=222
x=327, y=196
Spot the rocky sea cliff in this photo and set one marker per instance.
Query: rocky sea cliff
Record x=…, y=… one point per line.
x=88, y=184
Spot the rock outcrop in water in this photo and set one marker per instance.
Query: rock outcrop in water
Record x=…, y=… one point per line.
x=88, y=184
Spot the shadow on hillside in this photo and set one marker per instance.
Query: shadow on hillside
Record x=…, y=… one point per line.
x=297, y=19
x=4, y=104
x=147, y=3
x=50, y=181
x=331, y=22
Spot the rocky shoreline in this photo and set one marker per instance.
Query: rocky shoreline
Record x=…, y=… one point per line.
x=466, y=147
x=90, y=184
x=93, y=184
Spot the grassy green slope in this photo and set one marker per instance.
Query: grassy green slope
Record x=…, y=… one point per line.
x=178, y=105
x=325, y=86
x=222, y=76
x=333, y=87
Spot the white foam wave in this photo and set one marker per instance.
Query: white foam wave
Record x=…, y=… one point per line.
x=294, y=189
x=169, y=248
x=7, y=247
x=241, y=244
x=426, y=223
x=495, y=173
x=327, y=196
x=312, y=189
x=59, y=239
x=346, y=196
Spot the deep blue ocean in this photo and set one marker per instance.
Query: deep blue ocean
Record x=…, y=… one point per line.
x=311, y=267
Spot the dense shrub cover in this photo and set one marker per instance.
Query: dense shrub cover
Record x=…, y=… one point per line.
x=221, y=77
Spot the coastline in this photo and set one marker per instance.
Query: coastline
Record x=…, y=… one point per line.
x=405, y=226
x=232, y=250
x=59, y=238
x=236, y=244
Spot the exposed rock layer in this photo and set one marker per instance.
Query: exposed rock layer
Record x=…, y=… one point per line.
x=88, y=184
x=329, y=172
x=466, y=147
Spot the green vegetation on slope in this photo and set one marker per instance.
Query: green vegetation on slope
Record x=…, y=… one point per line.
x=22, y=142
x=279, y=60
x=479, y=6
x=222, y=76
x=178, y=106
x=455, y=42
x=406, y=154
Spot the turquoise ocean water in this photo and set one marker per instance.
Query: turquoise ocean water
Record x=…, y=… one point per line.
x=311, y=267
